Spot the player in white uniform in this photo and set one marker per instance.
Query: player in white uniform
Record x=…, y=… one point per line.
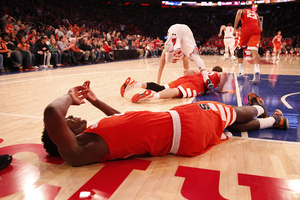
x=228, y=40
x=182, y=42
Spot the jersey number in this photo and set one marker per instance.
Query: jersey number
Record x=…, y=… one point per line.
x=251, y=14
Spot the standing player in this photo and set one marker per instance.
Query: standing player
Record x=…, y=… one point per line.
x=181, y=42
x=277, y=44
x=250, y=36
x=162, y=63
x=228, y=40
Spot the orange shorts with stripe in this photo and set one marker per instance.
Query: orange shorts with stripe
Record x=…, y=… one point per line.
x=277, y=46
x=202, y=125
x=250, y=39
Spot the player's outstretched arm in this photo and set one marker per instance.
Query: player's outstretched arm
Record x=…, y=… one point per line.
x=92, y=98
x=223, y=80
x=162, y=63
x=221, y=29
x=237, y=19
x=54, y=119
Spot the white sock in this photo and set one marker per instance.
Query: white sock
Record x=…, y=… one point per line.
x=198, y=61
x=266, y=122
x=156, y=96
x=256, y=68
x=259, y=109
x=137, y=85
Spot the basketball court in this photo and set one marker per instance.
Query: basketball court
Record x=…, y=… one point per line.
x=263, y=164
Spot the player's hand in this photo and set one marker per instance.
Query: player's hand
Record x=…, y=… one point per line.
x=234, y=32
x=91, y=97
x=78, y=94
x=220, y=35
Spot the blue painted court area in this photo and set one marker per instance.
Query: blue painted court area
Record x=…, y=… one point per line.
x=278, y=92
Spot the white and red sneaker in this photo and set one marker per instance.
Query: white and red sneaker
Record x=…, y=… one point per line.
x=142, y=98
x=128, y=84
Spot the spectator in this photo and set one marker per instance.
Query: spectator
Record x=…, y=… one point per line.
x=87, y=48
x=49, y=31
x=78, y=53
x=55, y=54
x=43, y=55
x=59, y=32
x=33, y=51
x=13, y=39
x=17, y=26
x=17, y=56
x=8, y=23
x=108, y=54
x=21, y=32
x=5, y=56
x=96, y=50
x=24, y=46
x=64, y=50
x=70, y=33
x=32, y=34
x=75, y=28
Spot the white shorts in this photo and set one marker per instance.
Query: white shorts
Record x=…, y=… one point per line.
x=229, y=43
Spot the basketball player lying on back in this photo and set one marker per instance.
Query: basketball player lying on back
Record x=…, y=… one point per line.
x=185, y=130
x=187, y=86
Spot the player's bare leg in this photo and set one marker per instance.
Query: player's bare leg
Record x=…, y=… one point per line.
x=240, y=55
x=256, y=76
x=245, y=116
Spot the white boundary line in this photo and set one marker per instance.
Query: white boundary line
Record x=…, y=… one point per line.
x=267, y=140
x=239, y=102
x=66, y=75
x=16, y=115
x=286, y=103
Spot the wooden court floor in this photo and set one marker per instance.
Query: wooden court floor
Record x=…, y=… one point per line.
x=236, y=169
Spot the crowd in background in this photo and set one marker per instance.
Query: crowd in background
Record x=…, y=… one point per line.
x=39, y=34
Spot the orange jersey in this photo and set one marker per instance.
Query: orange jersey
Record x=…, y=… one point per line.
x=10, y=28
x=249, y=21
x=24, y=46
x=193, y=85
x=145, y=132
x=277, y=39
x=135, y=133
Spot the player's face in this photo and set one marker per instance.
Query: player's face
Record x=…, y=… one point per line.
x=76, y=124
x=279, y=32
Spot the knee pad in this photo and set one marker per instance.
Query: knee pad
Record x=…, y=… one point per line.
x=240, y=53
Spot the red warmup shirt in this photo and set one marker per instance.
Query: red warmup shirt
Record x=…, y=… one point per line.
x=249, y=21
x=107, y=48
x=146, y=132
